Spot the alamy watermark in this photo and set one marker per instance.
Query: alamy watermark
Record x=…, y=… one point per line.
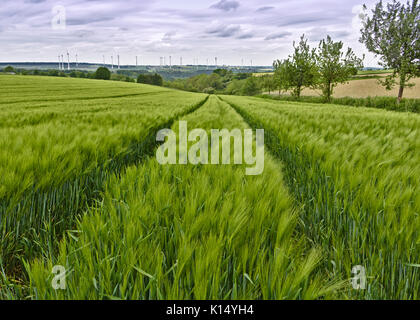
x=359, y=279
x=59, y=280
x=198, y=153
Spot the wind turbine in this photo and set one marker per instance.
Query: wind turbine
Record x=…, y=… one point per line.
x=68, y=60
x=77, y=61
x=59, y=62
x=136, y=62
x=215, y=59
x=112, y=62
x=118, y=62
x=180, y=61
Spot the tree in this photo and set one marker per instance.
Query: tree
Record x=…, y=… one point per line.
x=157, y=80
x=251, y=87
x=334, y=66
x=152, y=79
x=268, y=83
x=299, y=70
x=393, y=33
x=144, y=79
x=221, y=72
x=281, y=75
x=235, y=87
x=9, y=69
x=102, y=73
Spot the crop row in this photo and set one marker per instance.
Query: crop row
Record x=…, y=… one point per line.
x=356, y=172
x=187, y=232
x=55, y=157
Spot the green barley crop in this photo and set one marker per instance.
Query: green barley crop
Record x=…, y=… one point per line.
x=80, y=187
x=357, y=173
x=59, y=141
x=187, y=232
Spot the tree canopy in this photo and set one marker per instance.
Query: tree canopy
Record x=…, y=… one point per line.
x=299, y=70
x=9, y=69
x=392, y=32
x=334, y=66
x=103, y=73
x=152, y=79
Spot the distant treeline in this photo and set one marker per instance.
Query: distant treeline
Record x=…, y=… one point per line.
x=101, y=73
x=221, y=81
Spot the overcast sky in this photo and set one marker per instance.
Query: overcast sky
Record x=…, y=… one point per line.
x=232, y=30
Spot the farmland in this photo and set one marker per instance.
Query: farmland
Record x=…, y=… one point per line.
x=366, y=85
x=363, y=88
x=81, y=187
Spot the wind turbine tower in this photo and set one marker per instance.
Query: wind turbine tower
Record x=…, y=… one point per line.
x=118, y=62
x=215, y=59
x=77, y=61
x=112, y=62
x=68, y=61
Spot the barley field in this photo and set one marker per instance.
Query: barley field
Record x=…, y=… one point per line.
x=80, y=187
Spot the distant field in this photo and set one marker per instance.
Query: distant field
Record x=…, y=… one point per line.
x=365, y=85
x=368, y=88
x=80, y=187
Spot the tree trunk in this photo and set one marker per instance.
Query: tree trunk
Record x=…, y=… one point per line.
x=329, y=92
x=400, y=94
x=402, y=86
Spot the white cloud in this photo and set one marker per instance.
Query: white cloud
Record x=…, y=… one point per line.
x=259, y=29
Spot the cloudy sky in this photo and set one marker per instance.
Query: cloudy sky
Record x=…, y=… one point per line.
x=232, y=30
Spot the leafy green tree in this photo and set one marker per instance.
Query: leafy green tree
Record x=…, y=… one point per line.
x=268, y=83
x=251, y=87
x=144, y=79
x=300, y=69
x=157, y=80
x=9, y=69
x=335, y=66
x=209, y=90
x=221, y=72
x=235, y=87
x=281, y=75
x=102, y=73
x=152, y=79
x=393, y=33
